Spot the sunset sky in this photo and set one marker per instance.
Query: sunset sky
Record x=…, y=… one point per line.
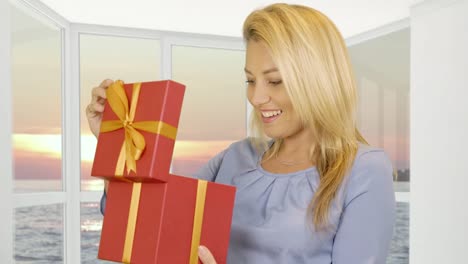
x=213, y=113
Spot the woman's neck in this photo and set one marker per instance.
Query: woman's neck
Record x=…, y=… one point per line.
x=293, y=155
x=296, y=147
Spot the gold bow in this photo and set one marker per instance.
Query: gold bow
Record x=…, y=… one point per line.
x=134, y=143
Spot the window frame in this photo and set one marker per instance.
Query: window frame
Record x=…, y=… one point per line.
x=6, y=188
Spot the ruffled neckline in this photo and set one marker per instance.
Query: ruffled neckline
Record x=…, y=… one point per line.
x=259, y=167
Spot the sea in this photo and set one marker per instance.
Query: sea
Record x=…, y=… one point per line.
x=39, y=234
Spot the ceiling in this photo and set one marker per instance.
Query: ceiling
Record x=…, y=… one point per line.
x=222, y=17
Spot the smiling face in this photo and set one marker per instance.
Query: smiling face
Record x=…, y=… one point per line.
x=267, y=93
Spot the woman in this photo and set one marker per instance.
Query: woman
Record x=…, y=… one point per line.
x=314, y=192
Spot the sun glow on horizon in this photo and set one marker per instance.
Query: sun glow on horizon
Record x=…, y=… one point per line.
x=47, y=144
x=51, y=146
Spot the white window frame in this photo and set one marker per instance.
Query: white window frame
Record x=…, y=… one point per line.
x=6, y=186
x=67, y=197
x=71, y=196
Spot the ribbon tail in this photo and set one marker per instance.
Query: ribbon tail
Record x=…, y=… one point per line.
x=130, y=153
x=120, y=167
x=138, y=142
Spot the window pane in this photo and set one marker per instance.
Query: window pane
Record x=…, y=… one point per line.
x=102, y=57
x=39, y=234
x=382, y=72
x=36, y=79
x=214, y=109
x=91, y=225
x=399, y=248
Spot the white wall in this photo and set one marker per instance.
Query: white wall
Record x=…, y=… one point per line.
x=439, y=132
x=6, y=233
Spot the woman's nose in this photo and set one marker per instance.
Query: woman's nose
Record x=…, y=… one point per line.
x=259, y=95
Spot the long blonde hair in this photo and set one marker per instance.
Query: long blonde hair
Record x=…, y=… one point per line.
x=313, y=60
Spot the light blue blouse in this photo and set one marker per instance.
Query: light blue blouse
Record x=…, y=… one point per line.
x=269, y=222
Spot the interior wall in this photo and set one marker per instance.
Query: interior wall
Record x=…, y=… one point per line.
x=439, y=129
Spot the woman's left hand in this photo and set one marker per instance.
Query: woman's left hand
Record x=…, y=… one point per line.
x=205, y=255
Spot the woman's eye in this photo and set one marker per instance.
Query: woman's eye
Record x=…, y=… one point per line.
x=275, y=82
x=249, y=81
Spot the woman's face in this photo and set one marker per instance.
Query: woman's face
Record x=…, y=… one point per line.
x=267, y=94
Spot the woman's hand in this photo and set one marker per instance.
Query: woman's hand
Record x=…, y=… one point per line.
x=205, y=255
x=94, y=111
x=96, y=107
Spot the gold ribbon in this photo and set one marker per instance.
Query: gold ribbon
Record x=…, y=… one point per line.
x=198, y=220
x=134, y=142
x=131, y=224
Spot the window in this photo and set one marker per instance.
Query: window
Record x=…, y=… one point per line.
x=382, y=72
x=102, y=57
x=36, y=73
x=91, y=225
x=214, y=111
x=39, y=234
x=36, y=56
x=213, y=115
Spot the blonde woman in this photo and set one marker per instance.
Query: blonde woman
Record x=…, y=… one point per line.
x=309, y=187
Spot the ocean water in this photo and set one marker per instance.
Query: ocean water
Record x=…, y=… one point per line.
x=39, y=234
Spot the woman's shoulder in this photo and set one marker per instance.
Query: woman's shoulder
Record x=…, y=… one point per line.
x=370, y=157
x=372, y=171
x=244, y=147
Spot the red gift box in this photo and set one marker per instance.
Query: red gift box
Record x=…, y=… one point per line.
x=159, y=223
x=138, y=131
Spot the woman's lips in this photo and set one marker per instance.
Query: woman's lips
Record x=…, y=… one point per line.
x=271, y=119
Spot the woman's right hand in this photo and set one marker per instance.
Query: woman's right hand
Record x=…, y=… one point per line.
x=96, y=106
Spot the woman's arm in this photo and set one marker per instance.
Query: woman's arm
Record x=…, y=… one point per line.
x=366, y=225
x=103, y=202
x=210, y=170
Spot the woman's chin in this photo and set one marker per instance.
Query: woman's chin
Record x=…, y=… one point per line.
x=272, y=135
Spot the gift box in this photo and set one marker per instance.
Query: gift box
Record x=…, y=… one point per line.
x=159, y=223
x=138, y=131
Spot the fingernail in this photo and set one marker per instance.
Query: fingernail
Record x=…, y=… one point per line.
x=201, y=250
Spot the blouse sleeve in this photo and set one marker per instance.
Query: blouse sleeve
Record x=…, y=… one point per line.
x=366, y=225
x=103, y=202
x=209, y=171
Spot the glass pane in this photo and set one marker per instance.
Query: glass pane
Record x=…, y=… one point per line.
x=91, y=224
x=102, y=57
x=36, y=76
x=382, y=72
x=214, y=109
x=39, y=234
x=399, y=248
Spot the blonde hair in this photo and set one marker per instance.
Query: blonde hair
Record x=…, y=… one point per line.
x=313, y=60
